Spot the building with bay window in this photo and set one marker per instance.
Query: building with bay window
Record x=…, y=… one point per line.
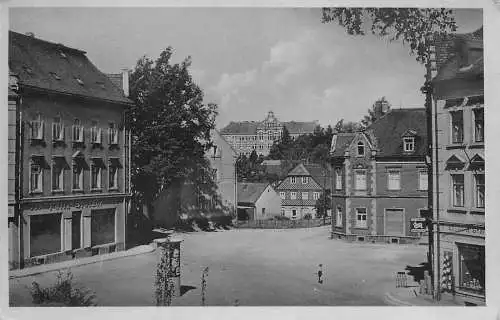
x=459, y=260
x=380, y=179
x=71, y=181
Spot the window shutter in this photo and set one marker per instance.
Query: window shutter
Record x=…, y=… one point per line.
x=62, y=133
x=99, y=135
x=42, y=129
x=80, y=138
x=110, y=138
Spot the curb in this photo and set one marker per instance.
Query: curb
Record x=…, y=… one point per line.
x=22, y=273
x=391, y=300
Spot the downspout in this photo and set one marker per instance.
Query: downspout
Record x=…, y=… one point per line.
x=19, y=172
x=437, y=293
x=429, y=165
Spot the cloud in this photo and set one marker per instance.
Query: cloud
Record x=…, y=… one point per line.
x=229, y=85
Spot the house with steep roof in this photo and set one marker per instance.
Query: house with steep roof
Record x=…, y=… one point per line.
x=247, y=136
x=257, y=201
x=380, y=178
x=302, y=188
x=72, y=152
x=459, y=163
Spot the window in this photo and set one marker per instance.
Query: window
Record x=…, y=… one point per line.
x=102, y=227
x=45, y=234
x=36, y=178
x=113, y=134
x=95, y=133
x=57, y=130
x=293, y=195
x=338, y=220
x=361, y=218
x=293, y=180
x=409, y=144
x=77, y=175
x=294, y=213
x=471, y=268
x=315, y=195
x=76, y=218
x=479, y=179
x=263, y=211
x=305, y=195
x=394, y=180
x=423, y=178
x=479, y=125
x=361, y=149
x=360, y=182
x=338, y=179
x=77, y=131
x=96, y=174
x=282, y=212
x=304, y=180
x=37, y=128
x=57, y=174
x=457, y=127
x=282, y=195
x=113, y=177
x=458, y=189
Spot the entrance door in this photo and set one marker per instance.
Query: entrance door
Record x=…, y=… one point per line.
x=76, y=230
x=394, y=222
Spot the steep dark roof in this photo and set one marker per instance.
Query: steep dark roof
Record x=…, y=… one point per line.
x=116, y=79
x=250, y=127
x=250, y=192
x=320, y=174
x=295, y=127
x=54, y=67
x=389, y=131
x=343, y=141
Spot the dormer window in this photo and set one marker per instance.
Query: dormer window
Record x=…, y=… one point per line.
x=409, y=144
x=361, y=149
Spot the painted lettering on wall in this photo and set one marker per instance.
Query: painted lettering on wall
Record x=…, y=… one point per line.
x=473, y=230
x=64, y=205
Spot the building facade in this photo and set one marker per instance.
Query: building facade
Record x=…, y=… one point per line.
x=247, y=136
x=380, y=179
x=73, y=157
x=302, y=188
x=257, y=201
x=459, y=158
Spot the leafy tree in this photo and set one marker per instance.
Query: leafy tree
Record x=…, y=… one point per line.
x=415, y=27
x=379, y=109
x=170, y=127
x=347, y=127
x=278, y=149
x=323, y=204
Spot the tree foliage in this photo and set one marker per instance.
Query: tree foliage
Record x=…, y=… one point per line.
x=323, y=204
x=170, y=125
x=413, y=26
x=347, y=127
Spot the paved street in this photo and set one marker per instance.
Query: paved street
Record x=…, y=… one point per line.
x=254, y=267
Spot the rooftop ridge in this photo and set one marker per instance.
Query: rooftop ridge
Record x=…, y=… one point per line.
x=54, y=44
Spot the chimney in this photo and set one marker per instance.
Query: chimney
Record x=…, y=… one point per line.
x=125, y=86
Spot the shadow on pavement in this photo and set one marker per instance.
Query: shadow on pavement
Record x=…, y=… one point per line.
x=418, y=271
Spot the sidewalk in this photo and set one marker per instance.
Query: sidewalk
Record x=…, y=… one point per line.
x=410, y=297
x=20, y=273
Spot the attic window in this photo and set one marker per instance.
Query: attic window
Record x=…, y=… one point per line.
x=28, y=70
x=101, y=84
x=80, y=82
x=55, y=76
x=361, y=149
x=409, y=144
x=63, y=55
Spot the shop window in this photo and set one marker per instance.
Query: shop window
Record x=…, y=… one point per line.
x=57, y=130
x=37, y=128
x=45, y=234
x=338, y=220
x=77, y=131
x=102, y=227
x=394, y=180
x=361, y=218
x=76, y=219
x=360, y=181
x=480, y=189
x=457, y=127
x=471, y=273
x=423, y=178
x=458, y=189
x=479, y=125
x=112, y=134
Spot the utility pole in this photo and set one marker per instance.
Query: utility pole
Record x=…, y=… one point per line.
x=429, y=163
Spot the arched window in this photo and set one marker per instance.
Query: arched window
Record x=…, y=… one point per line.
x=361, y=148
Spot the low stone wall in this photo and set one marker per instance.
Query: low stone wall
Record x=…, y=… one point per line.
x=283, y=224
x=375, y=238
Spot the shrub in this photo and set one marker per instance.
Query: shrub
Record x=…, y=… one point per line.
x=307, y=216
x=222, y=221
x=281, y=218
x=63, y=292
x=202, y=223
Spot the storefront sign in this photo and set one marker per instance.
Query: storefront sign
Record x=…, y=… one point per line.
x=65, y=205
x=463, y=229
x=418, y=225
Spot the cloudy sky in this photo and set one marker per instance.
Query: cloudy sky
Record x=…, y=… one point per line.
x=248, y=60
